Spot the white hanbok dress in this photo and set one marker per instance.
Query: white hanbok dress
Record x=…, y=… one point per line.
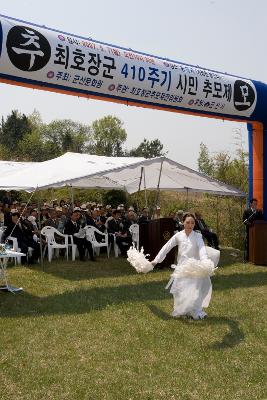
x=190, y=282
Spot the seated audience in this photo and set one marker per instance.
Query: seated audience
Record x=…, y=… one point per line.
x=131, y=218
x=72, y=227
x=211, y=237
x=24, y=234
x=119, y=232
x=52, y=219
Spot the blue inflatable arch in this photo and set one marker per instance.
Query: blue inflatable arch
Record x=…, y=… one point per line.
x=38, y=57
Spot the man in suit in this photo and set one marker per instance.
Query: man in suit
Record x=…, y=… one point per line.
x=119, y=232
x=251, y=214
x=72, y=227
x=53, y=219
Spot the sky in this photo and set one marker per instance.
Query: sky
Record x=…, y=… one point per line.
x=223, y=35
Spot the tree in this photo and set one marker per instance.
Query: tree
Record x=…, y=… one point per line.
x=65, y=135
x=12, y=130
x=205, y=162
x=232, y=171
x=108, y=135
x=148, y=149
x=115, y=197
x=32, y=148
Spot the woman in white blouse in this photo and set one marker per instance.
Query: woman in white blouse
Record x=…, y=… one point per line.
x=190, y=283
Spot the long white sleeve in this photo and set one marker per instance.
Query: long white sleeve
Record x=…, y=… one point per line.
x=165, y=249
x=202, y=249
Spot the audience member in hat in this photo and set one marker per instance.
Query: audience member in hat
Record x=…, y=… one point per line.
x=108, y=211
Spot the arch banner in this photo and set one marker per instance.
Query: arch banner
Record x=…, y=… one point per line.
x=36, y=56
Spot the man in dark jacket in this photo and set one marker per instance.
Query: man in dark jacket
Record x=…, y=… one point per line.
x=24, y=236
x=72, y=227
x=119, y=232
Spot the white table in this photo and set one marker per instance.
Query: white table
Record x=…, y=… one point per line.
x=3, y=270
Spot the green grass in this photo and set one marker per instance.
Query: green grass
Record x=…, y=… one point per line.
x=101, y=331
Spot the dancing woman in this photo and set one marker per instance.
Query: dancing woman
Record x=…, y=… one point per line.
x=190, y=282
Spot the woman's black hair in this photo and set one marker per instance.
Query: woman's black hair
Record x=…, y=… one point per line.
x=189, y=215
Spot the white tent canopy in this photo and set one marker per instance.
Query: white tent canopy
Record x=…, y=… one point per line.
x=7, y=167
x=127, y=173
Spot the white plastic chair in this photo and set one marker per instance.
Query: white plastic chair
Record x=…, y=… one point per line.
x=116, y=247
x=73, y=247
x=90, y=236
x=134, y=231
x=49, y=232
x=15, y=247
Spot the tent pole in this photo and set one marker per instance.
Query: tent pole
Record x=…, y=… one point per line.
x=187, y=190
x=139, y=188
x=145, y=188
x=140, y=180
x=158, y=190
x=217, y=216
x=72, y=197
x=52, y=197
x=39, y=221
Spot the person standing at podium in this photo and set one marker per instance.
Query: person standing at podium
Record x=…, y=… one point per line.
x=190, y=287
x=250, y=215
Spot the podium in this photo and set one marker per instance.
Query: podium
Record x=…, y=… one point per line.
x=153, y=235
x=258, y=242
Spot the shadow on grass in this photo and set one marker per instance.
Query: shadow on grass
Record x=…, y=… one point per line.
x=233, y=338
x=80, y=301
x=78, y=270
x=86, y=300
x=234, y=281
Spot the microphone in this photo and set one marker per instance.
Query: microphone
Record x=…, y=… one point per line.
x=247, y=220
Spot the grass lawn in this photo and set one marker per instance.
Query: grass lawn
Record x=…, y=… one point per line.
x=101, y=331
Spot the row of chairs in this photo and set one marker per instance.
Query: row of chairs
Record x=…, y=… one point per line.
x=66, y=242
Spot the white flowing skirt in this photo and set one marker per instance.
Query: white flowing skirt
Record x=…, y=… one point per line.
x=191, y=286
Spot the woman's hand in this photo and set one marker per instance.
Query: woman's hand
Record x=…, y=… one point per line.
x=153, y=263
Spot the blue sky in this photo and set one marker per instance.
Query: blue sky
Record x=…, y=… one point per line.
x=227, y=36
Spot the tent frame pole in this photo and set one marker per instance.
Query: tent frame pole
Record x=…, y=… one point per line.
x=139, y=188
x=145, y=187
x=158, y=189
x=39, y=222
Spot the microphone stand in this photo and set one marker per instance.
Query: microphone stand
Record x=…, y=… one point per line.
x=248, y=219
